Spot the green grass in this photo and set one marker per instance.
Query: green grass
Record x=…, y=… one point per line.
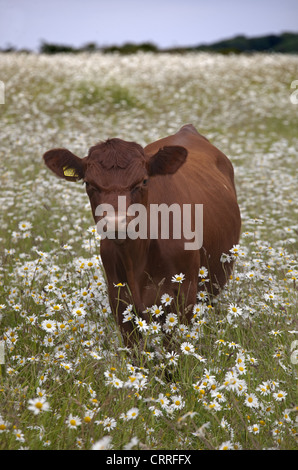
x=184, y=401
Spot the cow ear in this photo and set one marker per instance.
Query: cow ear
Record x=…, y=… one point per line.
x=167, y=160
x=65, y=164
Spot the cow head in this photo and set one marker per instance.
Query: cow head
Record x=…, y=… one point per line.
x=115, y=168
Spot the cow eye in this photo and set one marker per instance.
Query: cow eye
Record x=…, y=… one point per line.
x=135, y=189
x=139, y=186
x=86, y=184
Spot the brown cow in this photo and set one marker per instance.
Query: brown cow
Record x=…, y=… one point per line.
x=184, y=168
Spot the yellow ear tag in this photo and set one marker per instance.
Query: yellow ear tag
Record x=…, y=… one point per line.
x=70, y=172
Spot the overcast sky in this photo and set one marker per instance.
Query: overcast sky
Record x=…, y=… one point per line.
x=167, y=23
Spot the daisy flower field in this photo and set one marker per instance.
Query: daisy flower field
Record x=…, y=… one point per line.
x=228, y=380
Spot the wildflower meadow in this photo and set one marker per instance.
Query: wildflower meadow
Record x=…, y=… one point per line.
x=229, y=379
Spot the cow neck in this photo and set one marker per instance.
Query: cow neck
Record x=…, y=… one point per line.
x=133, y=253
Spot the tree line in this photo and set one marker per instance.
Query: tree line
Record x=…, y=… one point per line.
x=283, y=43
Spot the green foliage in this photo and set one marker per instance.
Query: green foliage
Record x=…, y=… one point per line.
x=284, y=43
x=96, y=95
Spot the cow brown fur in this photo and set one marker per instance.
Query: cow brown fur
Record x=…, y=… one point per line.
x=183, y=168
